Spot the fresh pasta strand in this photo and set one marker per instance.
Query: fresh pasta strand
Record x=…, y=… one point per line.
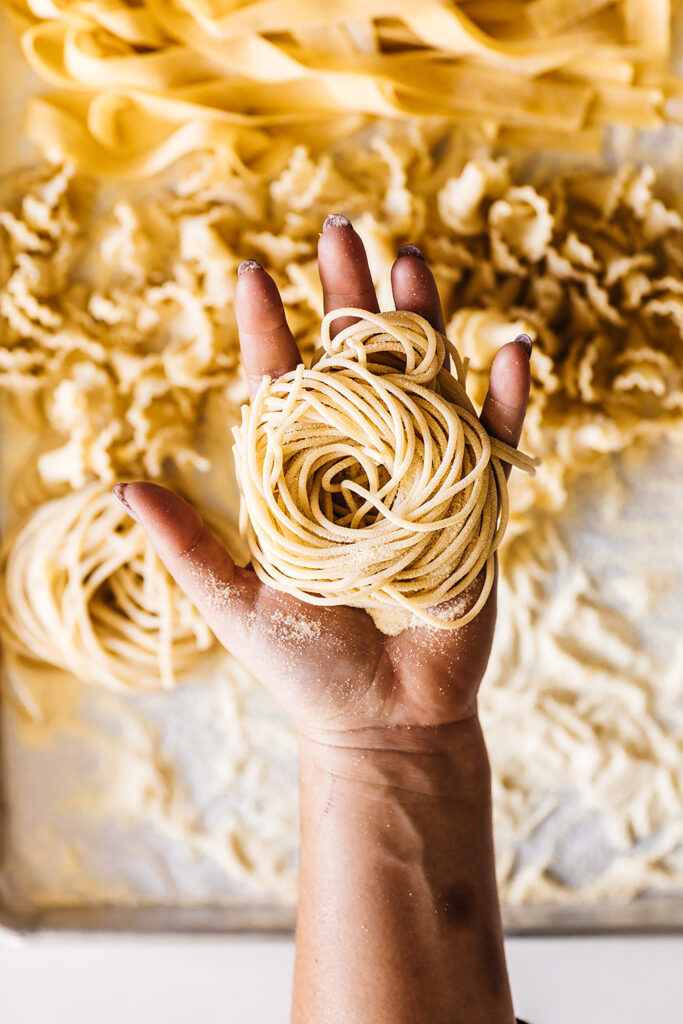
x=82, y=589
x=368, y=479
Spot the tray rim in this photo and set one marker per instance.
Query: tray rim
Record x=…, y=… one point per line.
x=656, y=915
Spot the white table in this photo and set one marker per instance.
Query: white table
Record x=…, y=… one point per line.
x=241, y=981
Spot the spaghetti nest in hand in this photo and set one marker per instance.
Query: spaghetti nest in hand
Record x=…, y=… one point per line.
x=368, y=479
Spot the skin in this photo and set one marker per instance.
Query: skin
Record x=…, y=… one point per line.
x=398, y=918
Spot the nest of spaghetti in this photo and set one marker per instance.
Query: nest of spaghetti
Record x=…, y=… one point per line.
x=82, y=589
x=368, y=478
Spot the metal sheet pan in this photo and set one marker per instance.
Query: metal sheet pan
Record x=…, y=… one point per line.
x=648, y=916
x=20, y=919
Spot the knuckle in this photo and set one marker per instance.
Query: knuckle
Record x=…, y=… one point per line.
x=196, y=539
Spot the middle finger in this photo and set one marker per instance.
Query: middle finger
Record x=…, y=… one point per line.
x=344, y=270
x=414, y=287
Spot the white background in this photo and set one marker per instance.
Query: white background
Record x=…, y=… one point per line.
x=248, y=981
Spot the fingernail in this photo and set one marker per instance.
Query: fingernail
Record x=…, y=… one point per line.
x=525, y=342
x=411, y=250
x=248, y=265
x=120, y=495
x=336, y=220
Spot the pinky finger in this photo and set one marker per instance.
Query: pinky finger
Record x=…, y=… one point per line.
x=505, y=405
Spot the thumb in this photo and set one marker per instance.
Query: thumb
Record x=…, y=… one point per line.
x=221, y=591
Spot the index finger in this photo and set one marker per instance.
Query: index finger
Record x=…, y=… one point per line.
x=267, y=344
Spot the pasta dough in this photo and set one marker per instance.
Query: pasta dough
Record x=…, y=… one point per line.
x=82, y=589
x=141, y=85
x=120, y=367
x=368, y=479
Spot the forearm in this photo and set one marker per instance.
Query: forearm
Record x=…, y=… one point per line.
x=398, y=916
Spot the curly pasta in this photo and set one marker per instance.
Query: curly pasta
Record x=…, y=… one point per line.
x=121, y=365
x=602, y=300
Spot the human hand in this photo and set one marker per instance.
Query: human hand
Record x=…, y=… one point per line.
x=330, y=667
x=398, y=917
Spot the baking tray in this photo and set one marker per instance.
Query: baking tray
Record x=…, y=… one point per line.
x=653, y=913
x=19, y=918
x=658, y=916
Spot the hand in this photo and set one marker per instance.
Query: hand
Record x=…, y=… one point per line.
x=398, y=916
x=330, y=667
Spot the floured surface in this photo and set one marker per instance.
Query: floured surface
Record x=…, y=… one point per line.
x=583, y=702
x=580, y=797
x=157, y=799
x=190, y=797
x=169, y=798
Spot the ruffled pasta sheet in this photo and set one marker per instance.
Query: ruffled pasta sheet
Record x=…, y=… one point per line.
x=604, y=304
x=588, y=264
x=118, y=332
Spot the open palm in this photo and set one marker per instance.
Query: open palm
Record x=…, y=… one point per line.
x=330, y=667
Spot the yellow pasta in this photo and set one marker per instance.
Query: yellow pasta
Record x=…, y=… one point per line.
x=649, y=22
x=120, y=368
x=638, y=106
x=550, y=16
x=368, y=479
x=572, y=263
x=139, y=87
x=591, y=270
x=82, y=589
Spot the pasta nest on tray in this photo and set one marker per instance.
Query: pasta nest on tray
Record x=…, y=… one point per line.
x=82, y=589
x=368, y=478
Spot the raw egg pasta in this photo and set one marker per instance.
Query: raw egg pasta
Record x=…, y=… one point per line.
x=368, y=479
x=139, y=86
x=82, y=589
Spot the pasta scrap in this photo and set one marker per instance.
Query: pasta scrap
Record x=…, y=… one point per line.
x=103, y=341
x=121, y=364
x=596, y=284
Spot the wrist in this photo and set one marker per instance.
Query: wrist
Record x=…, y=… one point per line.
x=429, y=761
x=397, y=864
